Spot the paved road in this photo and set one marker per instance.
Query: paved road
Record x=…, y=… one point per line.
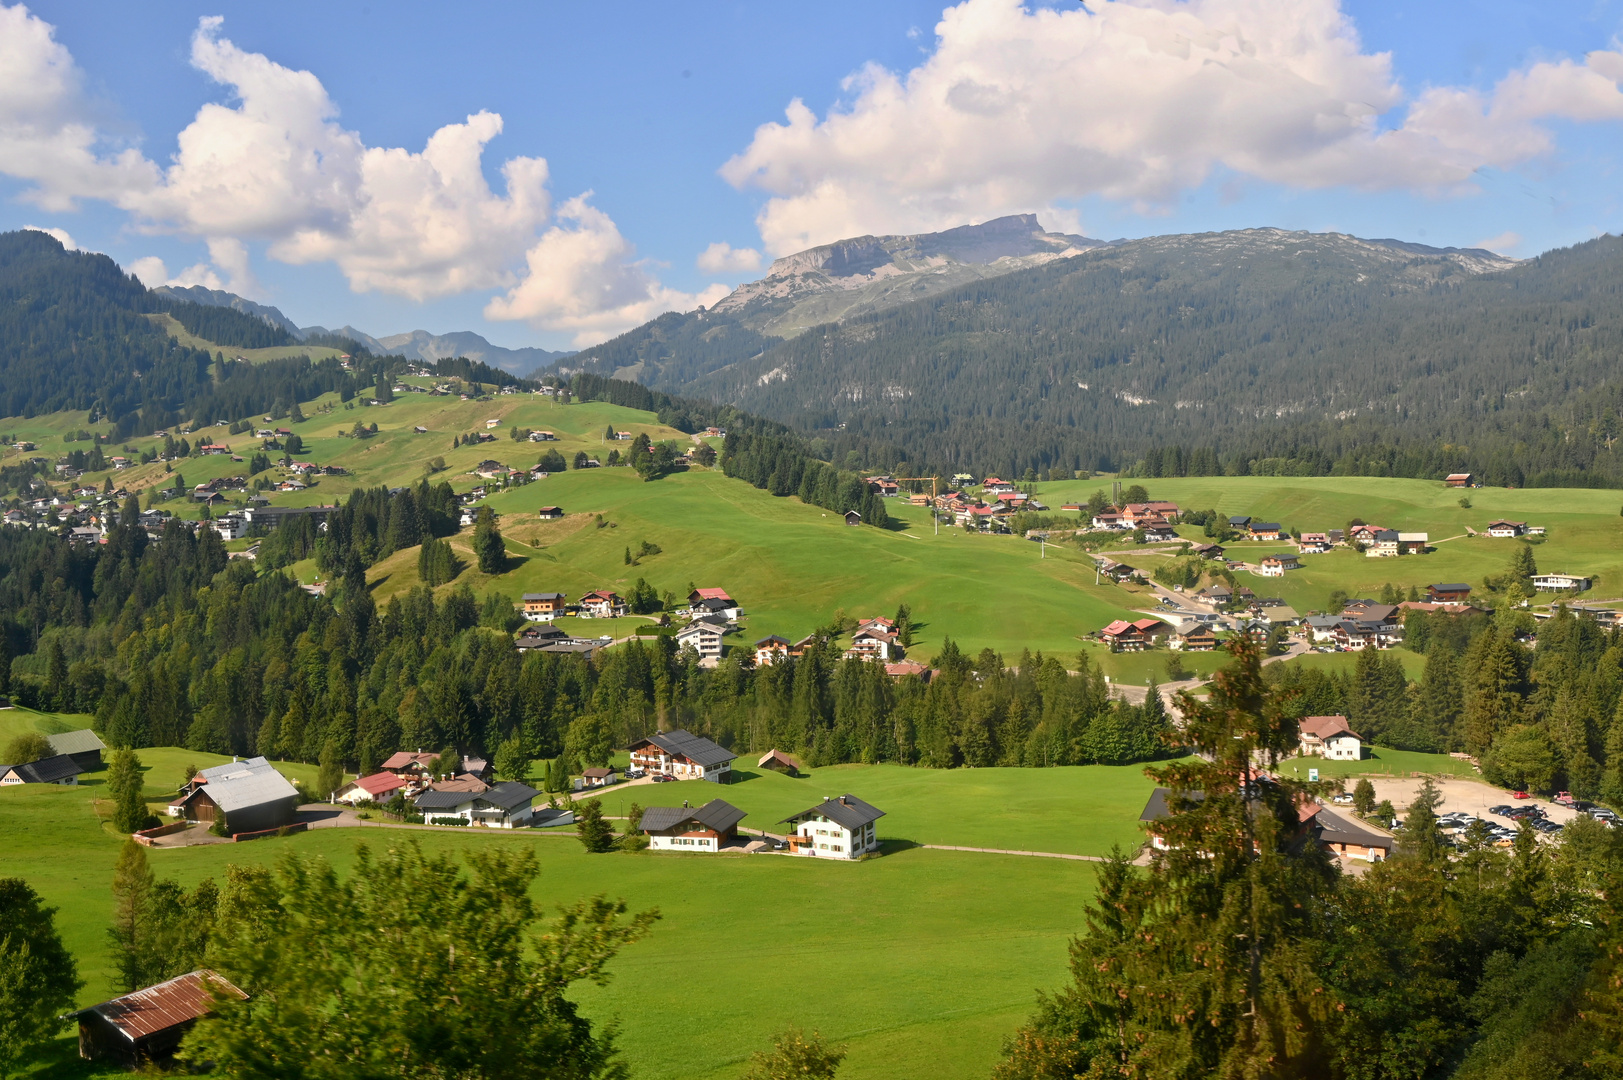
x=1006, y=851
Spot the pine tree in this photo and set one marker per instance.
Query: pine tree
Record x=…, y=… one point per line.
x=124, y=782
x=596, y=834
x=487, y=543
x=331, y=776
x=40, y=978
x=1494, y=683
x=132, y=928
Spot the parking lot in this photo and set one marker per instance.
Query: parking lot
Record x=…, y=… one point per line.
x=1462, y=796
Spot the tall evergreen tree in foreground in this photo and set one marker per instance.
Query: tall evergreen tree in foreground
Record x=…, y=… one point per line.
x=38, y=978
x=1203, y=967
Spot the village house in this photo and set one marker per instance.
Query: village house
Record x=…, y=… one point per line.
x=778, y=761
x=506, y=805
x=1456, y=593
x=1561, y=583
x=1314, y=543
x=83, y=746
x=250, y=795
x=903, y=669
x=770, y=650
x=1136, y=636
x=1194, y=636
x=841, y=828
x=597, y=777
x=1506, y=530
x=709, y=828
x=543, y=606
x=418, y=767
x=713, y=602
x=1276, y=565
x=601, y=605
x=1355, y=635
x=536, y=637
x=1110, y=519
x=1341, y=837
x=148, y=1025
x=380, y=787
x=1322, y=628
x=550, y=513
x=704, y=635
x=1264, y=530
x=683, y=755
x=1384, y=545
x=1371, y=611
x=542, y=436
x=1330, y=737
x=875, y=639
x=1136, y=515
x=60, y=769
x=993, y=485
x=1457, y=480
x=1208, y=551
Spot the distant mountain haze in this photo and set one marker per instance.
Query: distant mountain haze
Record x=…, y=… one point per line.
x=415, y=345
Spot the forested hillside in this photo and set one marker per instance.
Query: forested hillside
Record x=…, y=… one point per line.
x=1279, y=352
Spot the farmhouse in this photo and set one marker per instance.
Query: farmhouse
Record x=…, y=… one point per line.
x=1133, y=636
x=703, y=635
x=680, y=828
x=841, y=828
x=1314, y=543
x=1276, y=565
x=61, y=769
x=1506, y=530
x=1322, y=627
x=872, y=641
x=778, y=761
x=149, y=1024
x=1208, y=551
x=601, y=605
x=1455, y=593
x=904, y=668
x=407, y=766
x=1338, y=835
x=1561, y=582
x=1330, y=737
x=1384, y=545
x=1194, y=637
x=1264, y=530
x=597, y=777
x=770, y=650
x=250, y=795
x=506, y=805
x=543, y=606
x=1109, y=519
x=82, y=746
x=684, y=756
x=1457, y=479
x=550, y=513
x=380, y=787
x=1371, y=611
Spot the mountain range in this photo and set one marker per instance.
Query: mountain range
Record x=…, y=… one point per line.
x=414, y=345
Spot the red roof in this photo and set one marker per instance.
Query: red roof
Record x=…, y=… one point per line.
x=600, y=595
x=1120, y=626
x=380, y=783
x=402, y=759
x=166, y=1005
x=1148, y=624
x=712, y=594
x=1327, y=727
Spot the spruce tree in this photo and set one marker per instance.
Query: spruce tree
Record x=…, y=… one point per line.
x=124, y=782
x=596, y=834
x=40, y=978
x=487, y=543
x=133, y=924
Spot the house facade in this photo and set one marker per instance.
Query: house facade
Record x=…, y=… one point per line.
x=1561, y=582
x=770, y=650
x=1330, y=737
x=708, y=828
x=683, y=755
x=842, y=828
x=602, y=605
x=543, y=606
x=1276, y=565
x=507, y=805
x=1450, y=593
x=703, y=635
x=380, y=787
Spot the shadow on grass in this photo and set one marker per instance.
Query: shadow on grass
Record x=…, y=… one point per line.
x=891, y=845
x=60, y=1060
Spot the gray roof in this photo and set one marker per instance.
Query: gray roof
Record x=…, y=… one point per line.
x=232, y=766
x=254, y=783
x=47, y=770
x=1322, y=622
x=509, y=795
x=443, y=800
x=1335, y=829
x=701, y=627
x=543, y=596
x=717, y=814
x=695, y=748
x=847, y=810
x=1156, y=808
x=76, y=742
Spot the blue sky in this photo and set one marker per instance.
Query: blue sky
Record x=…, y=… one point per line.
x=1491, y=122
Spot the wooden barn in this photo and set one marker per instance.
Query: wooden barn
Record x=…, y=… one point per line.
x=149, y=1024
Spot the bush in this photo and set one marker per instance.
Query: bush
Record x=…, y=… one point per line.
x=447, y=821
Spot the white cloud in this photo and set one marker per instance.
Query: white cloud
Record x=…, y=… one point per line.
x=721, y=257
x=1138, y=101
x=151, y=271
x=1504, y=244
x=61, y=235
x=274, y=165
x=583, y=278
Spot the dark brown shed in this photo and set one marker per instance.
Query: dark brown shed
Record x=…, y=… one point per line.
x=149, y=1024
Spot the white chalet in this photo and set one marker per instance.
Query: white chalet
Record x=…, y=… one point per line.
x=840, y=828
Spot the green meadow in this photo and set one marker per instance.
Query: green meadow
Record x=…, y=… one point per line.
x=1382, y=761
x=921, y=961
x=1585, y=529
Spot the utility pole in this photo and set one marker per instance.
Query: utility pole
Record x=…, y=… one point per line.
x=935, y=513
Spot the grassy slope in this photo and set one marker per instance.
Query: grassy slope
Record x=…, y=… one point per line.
x=1081, y=810
x=277, y=352
x=1383, y=761
x=879, y=951
x=1585, y=531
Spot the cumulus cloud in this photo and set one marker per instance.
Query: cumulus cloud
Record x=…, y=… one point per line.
x=1504, y=244
x=721, y=258
x=274, y=165
x=583, y=278
x=61, y=235
x=1138, y=101
x=151, y=271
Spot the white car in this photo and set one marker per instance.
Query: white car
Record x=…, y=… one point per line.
x=1344, y=800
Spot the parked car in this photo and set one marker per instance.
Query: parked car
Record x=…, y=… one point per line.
x=1502, y=809
x=1344, y=799
x=663, y=779
x=1520, y=795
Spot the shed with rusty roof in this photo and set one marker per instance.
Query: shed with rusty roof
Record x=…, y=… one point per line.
x=149, y=1024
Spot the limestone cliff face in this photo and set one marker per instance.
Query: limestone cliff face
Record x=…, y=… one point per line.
x=869, y=273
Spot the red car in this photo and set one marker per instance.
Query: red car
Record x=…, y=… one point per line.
x=1520, y=795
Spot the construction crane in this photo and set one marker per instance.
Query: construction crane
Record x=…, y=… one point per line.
x=935, y=514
